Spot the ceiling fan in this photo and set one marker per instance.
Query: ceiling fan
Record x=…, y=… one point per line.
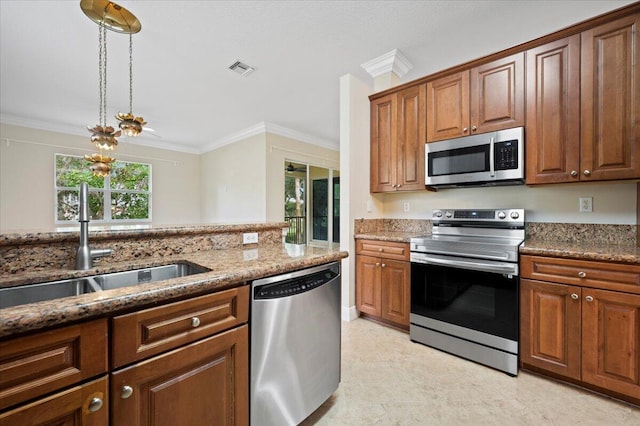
x=291, y=168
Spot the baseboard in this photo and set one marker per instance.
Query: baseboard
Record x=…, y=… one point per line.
x=349, y=313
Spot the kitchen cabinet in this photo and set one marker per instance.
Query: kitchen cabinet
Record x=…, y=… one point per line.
x=46, y=362
x=83, y=405
x=383, y=281
x=582, y=106
x=482, y=99
x=397, y=141
x=580, y=320
x=195, y=367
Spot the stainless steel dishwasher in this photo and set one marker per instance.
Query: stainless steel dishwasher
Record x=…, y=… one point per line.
x=295, y=344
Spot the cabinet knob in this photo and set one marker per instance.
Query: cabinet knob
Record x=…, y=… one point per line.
x=195, y=322
x=582, y=274
x=574, y=173
x=95, y=404
x=398, y=185
x=465, y=130
x=126, y=392
x=393, y=186
x=377, y=263
x=574, y=296
x=384, y=266
x=380, y=250
x=589, y=299
x=474, y=128
x=587, y=173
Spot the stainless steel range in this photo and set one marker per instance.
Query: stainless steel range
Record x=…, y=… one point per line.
x=465, y=285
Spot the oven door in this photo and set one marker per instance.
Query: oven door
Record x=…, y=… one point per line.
x=470, y=293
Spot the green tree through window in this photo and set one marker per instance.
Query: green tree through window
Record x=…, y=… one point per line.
x=126, y=191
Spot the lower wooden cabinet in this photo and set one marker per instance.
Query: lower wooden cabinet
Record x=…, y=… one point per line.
x=588, y=335
x=383, y=283
x=87, y=405
x=202, y=383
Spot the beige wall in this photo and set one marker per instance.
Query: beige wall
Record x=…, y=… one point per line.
x=27, y=178
x=233, y=182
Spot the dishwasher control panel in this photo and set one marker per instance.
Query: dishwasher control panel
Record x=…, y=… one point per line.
x=293, y=286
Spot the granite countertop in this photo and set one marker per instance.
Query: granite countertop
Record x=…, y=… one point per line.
x=582, y=251
x=229, y=268
x=391, y=236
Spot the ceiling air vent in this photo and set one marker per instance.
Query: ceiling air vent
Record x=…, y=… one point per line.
x=242, y=69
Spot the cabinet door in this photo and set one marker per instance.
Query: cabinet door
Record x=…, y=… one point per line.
x=611, y=341
x=411, y=138
x=610, y=91
x=550, y=327
x=553, y=112
x=202, y=383
x=448, y=107
x=86, y=405
x=368, y=290
x=396, y=302
x=383, y=144
x=497, y=94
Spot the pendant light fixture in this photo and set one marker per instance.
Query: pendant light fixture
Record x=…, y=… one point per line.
x=107, y=15
x=129, y=124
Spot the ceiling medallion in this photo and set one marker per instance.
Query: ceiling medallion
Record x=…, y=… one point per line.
x=113, y=16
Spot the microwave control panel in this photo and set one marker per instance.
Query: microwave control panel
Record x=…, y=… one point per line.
x=506, y=155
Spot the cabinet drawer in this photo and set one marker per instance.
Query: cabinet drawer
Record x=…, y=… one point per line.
x=35, y=365
x=69, y=407
x=613, y=276
x=149, y=332
x=383, y=249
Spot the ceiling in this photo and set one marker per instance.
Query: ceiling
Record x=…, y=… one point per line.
x=300, y=49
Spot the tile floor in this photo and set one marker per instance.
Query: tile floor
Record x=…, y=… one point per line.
x=389, y=380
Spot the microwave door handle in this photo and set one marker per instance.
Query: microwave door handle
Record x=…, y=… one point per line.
x=470, y=265
x=492, y=171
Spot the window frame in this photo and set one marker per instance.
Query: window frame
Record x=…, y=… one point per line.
x=107, y=192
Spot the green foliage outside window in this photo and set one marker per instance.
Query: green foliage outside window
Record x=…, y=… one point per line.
x=126, y=190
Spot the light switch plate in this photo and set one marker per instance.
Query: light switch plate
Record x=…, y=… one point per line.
x=249, y=238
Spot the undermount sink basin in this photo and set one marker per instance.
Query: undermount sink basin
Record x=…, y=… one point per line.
x=30, y=293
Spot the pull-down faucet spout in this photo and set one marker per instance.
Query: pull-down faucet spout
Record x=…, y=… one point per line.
x=85, y=255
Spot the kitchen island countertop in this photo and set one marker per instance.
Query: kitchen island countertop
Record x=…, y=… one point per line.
x=391, y=236
x=229, y=268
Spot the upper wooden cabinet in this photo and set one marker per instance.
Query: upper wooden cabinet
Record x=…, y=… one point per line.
x=583, y=94
x=397, y=141
x=485, y=98
x=610, y=96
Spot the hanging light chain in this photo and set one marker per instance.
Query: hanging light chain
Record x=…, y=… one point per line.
x=130, y=73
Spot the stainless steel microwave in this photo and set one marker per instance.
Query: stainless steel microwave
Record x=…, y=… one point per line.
x=495, y=158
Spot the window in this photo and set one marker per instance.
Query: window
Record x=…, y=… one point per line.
x=123, y=196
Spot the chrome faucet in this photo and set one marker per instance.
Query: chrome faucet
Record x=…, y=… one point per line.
x=85, y=255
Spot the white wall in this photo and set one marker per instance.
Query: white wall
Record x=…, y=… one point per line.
x=613, y=203
x=354, y=174
x=27, y=177
x=233, y=182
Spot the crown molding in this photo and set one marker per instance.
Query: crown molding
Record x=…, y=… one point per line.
x=393, y=61
x=68, y=129
x=265, y=127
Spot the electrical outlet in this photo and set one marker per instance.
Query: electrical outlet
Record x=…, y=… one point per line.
x=586, y=204
x=250, y=238
x=406, y=206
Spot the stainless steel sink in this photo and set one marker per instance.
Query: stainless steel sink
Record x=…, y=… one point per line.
x=30, y=293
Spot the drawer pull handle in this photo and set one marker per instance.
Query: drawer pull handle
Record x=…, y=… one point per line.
x=195, y=322
x=126, y=392
x=574, y=296
x=582, y=274
x=95, y=404
x=589, y=299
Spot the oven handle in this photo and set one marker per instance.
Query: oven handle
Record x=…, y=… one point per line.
x=462, y=263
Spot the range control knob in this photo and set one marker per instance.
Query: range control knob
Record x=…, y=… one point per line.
x=502, y=215
x=448, y=214
x=437, y=213
x=515, y=215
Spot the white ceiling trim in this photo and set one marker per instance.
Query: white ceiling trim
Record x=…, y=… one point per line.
x=393, y=61
x=81, y=131
x=265, y=127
